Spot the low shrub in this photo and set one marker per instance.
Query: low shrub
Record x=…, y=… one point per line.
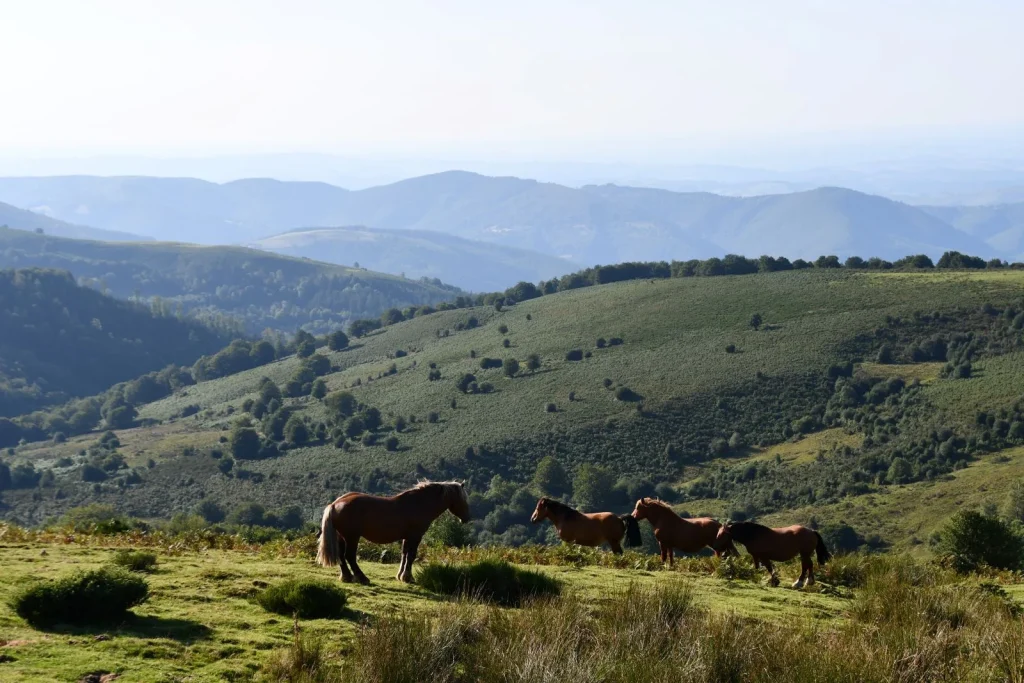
x=135, y=560
x=304, y=599
x=98, y=596
x=494, y=581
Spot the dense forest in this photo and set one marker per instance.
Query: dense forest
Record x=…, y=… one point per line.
x=61, y=340
x=242, y=290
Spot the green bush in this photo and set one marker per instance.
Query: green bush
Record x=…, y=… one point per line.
x=98, y=596
x=494, y=581
x=971, y=540
x=135, y=560
x=304, y=599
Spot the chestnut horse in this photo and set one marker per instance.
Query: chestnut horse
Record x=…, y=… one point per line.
x=404, y=517
x=675, y=533
x=778, y=545
x=589, y=529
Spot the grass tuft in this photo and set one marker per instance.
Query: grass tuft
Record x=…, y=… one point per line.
x=99, y=596
x=494, y=581
x=304, y=599
x=136, y=560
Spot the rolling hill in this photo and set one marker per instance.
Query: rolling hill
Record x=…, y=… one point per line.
x=588, y=225
x=1001, y=226
x=62, y=340
x=472, y=265
x=250, y=288
x=639, y=387
x=20, y=219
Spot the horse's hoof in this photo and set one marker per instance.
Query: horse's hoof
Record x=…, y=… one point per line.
x=363, y=580
x=798, y=585
x=773, y=581
x=406, y=579
x=347, y=579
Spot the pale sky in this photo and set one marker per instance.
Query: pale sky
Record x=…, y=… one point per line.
x=212, y=76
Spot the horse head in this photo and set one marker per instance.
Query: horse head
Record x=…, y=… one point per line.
x=723, y=541
x=458, y=501
x=542, y=511
x=642, y=509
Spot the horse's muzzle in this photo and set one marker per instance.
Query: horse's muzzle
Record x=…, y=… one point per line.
x=534, y=518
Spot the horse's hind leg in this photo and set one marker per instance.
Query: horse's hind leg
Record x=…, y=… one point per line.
x=351, y=550
x=346, y=575
x=405, y=558
x=808, y=568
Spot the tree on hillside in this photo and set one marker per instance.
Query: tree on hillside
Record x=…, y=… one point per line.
x=915, y=261
x=550, y=478
x=341, y=404
x=361, y=328
x=593, y=487
x=855, y=262
x=755, y=321
x=319, y=389
x=262, y=352
x=337, y=340
x=972, y=540
x=533, y=362
x=319, y=364
x=269, y=391
x=295, y=431
x=511, y=367
x=244, y=443
x=391, y=317
x=827, y=262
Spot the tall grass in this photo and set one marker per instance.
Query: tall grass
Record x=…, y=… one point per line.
x=494, y=581
x=907, y=623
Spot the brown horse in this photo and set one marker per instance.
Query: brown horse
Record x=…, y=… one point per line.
x=404, y=517
x=675, y=533
x=589, y=529
x=778, y=545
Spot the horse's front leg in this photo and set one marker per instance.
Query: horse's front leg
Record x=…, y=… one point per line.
x=664, y=552
x=412, y=545
x=671, y=556
x=773, y=580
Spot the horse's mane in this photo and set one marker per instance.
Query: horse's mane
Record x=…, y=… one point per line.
x=560, y=508
x=743, y=531
x=659, y=503
x=449, y=488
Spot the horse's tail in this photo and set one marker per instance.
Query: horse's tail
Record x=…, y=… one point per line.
x=823, y=553
x=633, y=539
x=328, y=553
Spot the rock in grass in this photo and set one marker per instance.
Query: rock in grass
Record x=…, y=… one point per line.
x=98, y=596
x=304, y=599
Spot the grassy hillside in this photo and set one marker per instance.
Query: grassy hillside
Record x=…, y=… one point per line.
x=473, y=265
x=61, y=340
x=589, y=225
x=258, y=289
x=670, y=404
x=20, y=219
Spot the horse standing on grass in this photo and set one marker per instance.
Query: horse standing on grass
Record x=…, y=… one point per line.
x=778, y=545
x=675, y=533
x=589, y=529
x=404, y=517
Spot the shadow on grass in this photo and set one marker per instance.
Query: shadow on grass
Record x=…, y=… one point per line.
x=183, y=631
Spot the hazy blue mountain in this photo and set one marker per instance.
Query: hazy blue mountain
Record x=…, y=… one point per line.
x=469, y=264
x=588, y=225
x=20, y=219
x=1000, y=226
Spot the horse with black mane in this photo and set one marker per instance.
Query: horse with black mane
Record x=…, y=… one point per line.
x=588, y=529
x=676, y=533
x=767, y=545
x=403, y=517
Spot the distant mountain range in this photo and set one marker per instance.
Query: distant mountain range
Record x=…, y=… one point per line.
x=530, y=220
x=1000, y=226
x=469, y=264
